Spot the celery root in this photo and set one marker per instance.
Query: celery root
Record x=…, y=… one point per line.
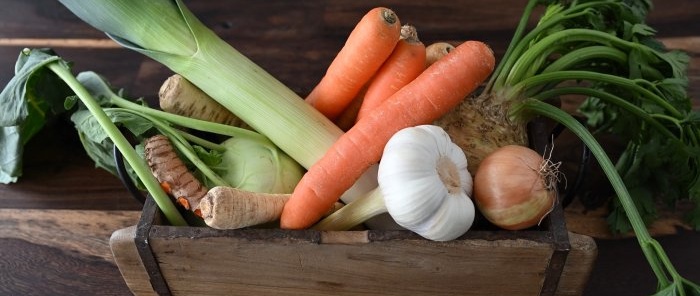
x=480, y=125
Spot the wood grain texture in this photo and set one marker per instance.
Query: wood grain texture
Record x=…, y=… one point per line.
x=579, y=264
x=127, y=258
x=60, y=252
x=298, y=266
x=32, y=269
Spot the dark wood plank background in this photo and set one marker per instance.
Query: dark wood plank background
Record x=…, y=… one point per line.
x=294, y=41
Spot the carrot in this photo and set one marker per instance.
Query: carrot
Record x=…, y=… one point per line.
x=435, y=51
x=370, y=43
x=172, y=173
x=406, y=62
x=347, y=119
x=433, y=93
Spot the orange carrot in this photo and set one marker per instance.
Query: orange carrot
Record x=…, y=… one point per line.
x=440, y=87
x=406, y=62
x=370, y=43
x=347, y=119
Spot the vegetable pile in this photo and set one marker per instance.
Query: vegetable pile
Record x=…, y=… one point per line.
x=392, y=136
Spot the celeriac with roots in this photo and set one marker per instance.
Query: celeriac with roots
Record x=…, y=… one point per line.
x=635, y=88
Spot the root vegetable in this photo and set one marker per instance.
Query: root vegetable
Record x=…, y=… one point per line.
x=515, y=187
x=404, y=64
x=347, y=119
x=229, y=208
x=179, y=96
x=370, y=43
x=436, y=51
x=226, y=207
x=480, y=125
x=171, y=172
x=432, y=94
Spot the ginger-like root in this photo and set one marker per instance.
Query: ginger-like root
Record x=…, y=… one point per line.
x=172, y=173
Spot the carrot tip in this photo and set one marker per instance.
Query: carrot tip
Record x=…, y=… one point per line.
x=389, y=16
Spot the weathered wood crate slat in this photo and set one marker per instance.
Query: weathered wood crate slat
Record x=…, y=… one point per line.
x=167, y=260
x=158, y=259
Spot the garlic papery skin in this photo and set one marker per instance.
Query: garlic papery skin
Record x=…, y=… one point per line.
x=425, y=183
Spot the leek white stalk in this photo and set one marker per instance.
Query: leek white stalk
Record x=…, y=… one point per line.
x=424, y=185
x=169, y=33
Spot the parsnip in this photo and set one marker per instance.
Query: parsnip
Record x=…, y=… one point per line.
x=179, y=96
x=226, y=207
x=435, y=51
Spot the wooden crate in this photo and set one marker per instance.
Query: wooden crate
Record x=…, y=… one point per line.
x=159, y=259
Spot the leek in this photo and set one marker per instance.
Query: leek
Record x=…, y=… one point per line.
x=169, y=33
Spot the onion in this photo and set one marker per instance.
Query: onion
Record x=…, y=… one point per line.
x=514, y=187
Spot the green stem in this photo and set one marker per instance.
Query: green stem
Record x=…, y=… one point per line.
x=629, y=84
x=510, y=59
x=180, y=143
x=360, y=210
x=612, y=99
x=524, y=62
x=627, y=158
x=520, y=29
x=202, y=142
x=587, y=53
x=137, y=163
x=184, y=121
x=653, y=255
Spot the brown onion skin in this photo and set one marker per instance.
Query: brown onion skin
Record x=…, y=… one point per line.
x=509, y=190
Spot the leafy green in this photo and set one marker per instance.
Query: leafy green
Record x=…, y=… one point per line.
x=606, y=46
x=636, y=90
x=96, y=141
x=32, y=98
x=42, y=88
x=216, y=164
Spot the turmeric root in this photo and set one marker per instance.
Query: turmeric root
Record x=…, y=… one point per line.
x=226, y=207
x=181, y=97
x=172, y=173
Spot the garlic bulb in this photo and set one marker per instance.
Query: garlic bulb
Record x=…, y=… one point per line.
x=425, y=183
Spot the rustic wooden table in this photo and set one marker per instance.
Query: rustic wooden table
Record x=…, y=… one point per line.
x=56, y=221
